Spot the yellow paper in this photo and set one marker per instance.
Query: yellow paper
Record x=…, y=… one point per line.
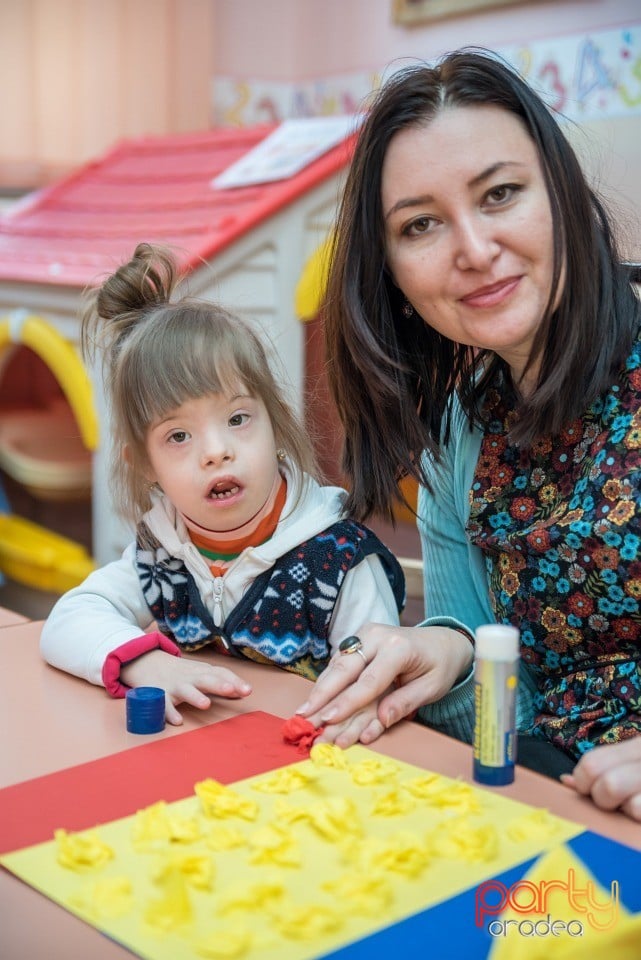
x=291, y=864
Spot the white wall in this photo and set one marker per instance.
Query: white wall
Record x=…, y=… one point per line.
x=302, y=39
x=292, y=57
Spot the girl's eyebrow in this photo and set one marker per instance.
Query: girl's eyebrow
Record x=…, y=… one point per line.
x=159, y=423
x=427, y=198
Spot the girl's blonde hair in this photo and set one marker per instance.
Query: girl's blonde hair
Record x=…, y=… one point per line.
x=157, y=354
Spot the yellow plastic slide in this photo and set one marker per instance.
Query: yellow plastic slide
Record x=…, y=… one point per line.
x=32, y=555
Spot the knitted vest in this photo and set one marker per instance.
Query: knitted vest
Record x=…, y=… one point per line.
x=284, y=617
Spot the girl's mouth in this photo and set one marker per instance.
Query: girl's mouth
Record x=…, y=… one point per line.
x=224, y=490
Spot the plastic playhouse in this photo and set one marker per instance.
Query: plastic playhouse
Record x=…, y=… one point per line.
x=244, y=247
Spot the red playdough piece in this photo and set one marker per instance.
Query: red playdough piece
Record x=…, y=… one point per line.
x=301, y=732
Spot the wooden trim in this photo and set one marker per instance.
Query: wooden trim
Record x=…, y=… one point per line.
x=411, y=12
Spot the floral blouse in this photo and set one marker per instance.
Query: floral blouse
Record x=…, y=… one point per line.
x=560, y=527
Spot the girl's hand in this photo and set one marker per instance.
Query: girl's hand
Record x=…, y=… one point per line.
x=423, y=663
x=611, y=775
x=184, y=681
x=363, y=727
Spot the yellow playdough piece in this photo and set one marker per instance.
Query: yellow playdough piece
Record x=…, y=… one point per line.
x=82, y=851
x=221, y=801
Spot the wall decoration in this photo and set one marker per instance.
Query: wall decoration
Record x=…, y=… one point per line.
x=410, y=12
x=583, y=76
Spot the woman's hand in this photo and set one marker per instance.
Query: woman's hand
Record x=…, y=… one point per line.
x=184, y=681
x=422, y=663
x=611, y=775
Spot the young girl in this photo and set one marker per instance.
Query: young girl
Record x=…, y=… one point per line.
x=237, y=545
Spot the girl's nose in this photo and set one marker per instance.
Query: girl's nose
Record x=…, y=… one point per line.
x=476, y=246
x=216, y=450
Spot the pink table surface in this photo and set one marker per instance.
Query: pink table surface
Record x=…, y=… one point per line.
x=51, y=721
x=8, y=618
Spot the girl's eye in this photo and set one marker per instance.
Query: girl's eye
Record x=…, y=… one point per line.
x=237, y=419
x=419, y=226
x=178, y=436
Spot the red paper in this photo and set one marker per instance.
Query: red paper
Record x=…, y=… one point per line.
x=81, y=797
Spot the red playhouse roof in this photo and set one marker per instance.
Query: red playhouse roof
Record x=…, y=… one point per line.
x=150, y=189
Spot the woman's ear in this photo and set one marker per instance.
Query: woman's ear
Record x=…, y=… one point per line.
x=388, y=273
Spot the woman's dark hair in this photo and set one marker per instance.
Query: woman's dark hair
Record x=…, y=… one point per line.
x=393, y=378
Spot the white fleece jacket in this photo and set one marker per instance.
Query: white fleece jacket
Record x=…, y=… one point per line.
x=108, y=609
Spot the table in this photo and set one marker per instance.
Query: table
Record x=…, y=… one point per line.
x=51, y=720
x=8, y=618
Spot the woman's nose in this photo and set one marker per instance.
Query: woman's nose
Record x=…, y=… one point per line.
x=476, y=246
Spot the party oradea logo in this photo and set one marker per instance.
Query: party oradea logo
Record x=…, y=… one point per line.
x=568, y=905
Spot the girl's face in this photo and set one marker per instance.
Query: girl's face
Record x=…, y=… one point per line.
x=215, y=458
x=468, y=228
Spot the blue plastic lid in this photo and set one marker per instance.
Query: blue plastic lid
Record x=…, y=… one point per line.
x=145, y=710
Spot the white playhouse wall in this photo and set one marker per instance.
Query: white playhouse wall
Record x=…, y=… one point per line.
x=255, y=277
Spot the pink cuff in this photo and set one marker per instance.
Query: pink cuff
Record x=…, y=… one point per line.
x=131, y=651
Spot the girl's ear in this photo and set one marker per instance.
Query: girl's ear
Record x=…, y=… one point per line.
x=128, y=457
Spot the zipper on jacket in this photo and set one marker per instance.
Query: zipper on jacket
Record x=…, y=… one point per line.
x=218, y=606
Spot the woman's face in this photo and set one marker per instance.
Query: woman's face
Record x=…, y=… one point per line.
x=468, y=228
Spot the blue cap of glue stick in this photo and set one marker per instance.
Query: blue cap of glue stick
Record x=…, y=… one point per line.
x=145, y=710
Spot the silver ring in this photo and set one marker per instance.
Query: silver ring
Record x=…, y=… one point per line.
x=352, y=645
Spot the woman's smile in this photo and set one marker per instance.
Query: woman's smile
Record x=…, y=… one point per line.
x=491, y=295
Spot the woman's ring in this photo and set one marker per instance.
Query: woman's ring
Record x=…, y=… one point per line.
x=352, y=645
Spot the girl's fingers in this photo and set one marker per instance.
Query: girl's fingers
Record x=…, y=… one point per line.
x=372, y=731
x=172, y=715
x=351, y=731
x=222, y=683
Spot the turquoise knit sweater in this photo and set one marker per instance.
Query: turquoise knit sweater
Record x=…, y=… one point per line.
x=454, y=577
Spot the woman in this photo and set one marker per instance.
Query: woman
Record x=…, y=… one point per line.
x=478, y=314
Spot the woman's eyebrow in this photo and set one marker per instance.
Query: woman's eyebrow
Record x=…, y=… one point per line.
x=426, y=198
x=409, y=202
x=491, y=170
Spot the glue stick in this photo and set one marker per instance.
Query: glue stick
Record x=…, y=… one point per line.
x=495, y=681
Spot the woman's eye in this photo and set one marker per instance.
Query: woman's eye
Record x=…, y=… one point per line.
x=418, y=226
x=502, y=193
